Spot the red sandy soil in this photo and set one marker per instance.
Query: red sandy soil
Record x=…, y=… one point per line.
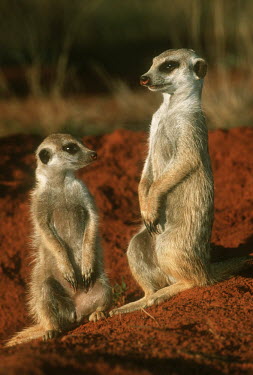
x=200, y=331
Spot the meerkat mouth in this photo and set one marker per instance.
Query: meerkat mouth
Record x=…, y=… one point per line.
x=157, y=87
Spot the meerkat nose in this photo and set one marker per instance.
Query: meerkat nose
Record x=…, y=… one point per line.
x=93, y=155
x=144, y=80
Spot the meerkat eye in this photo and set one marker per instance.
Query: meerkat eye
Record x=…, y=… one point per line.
x=168, y=66
x=71, y=148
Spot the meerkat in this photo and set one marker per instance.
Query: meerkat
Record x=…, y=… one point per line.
x=68, y=281
x=171, y=252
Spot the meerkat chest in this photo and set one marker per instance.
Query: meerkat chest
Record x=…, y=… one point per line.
x=69, y=222
x=160, y=144
x=68, y=218
x=156, y=120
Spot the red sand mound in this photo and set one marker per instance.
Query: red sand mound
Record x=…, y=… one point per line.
x=201, y=331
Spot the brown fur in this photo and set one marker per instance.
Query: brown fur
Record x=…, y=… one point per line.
x=171, y=252
x=68, y=281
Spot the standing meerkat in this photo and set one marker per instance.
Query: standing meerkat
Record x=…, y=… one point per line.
x=171, y=252
x=68, y=280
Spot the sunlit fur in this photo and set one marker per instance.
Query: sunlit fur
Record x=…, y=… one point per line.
x=176, y=190
x=67, y=282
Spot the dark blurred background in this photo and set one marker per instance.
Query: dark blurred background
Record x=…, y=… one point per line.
x=75, y=65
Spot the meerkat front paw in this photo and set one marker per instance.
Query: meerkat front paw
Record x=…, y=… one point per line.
x=69, y=275
x=151, y=221
x=150, y=215
x=88, y=278
x=71, y=279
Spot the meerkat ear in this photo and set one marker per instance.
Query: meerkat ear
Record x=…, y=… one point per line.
x=44, y=155
x=200, y=68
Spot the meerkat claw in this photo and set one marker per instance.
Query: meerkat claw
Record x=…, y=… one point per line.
x=153, y=229
x=50, y=334
x=73, y=317
x=72, y=281
x=88, y=280
x=156, y=229
x=75, y=285
x=147, y=227
x=97, y=315
x=114, y=312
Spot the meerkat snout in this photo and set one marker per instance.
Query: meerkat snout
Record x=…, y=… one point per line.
x=93, y=155
x=144, y=80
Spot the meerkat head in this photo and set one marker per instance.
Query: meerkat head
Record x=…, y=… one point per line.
x=175, y=69
x=63, y=152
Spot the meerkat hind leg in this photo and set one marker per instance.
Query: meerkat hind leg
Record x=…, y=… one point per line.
x=55, y=309
x=145, y=269
x=155, y=298
x=143, y=263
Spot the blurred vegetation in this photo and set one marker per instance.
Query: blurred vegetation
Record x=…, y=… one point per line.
x=119, y=293
x=74, y=65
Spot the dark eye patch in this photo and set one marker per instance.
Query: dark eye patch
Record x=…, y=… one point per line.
x=168, y=66
x=71, y=148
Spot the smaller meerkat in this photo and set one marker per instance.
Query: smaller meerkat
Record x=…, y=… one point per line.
x=68, y=281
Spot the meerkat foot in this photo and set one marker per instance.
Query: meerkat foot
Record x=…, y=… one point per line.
x=166, y=293
x=156, y=300
x=97, y=315
x=51, y=334
x=130, y=307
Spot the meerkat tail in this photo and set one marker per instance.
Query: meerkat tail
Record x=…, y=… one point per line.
x=27, y=334
x=224, y=270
